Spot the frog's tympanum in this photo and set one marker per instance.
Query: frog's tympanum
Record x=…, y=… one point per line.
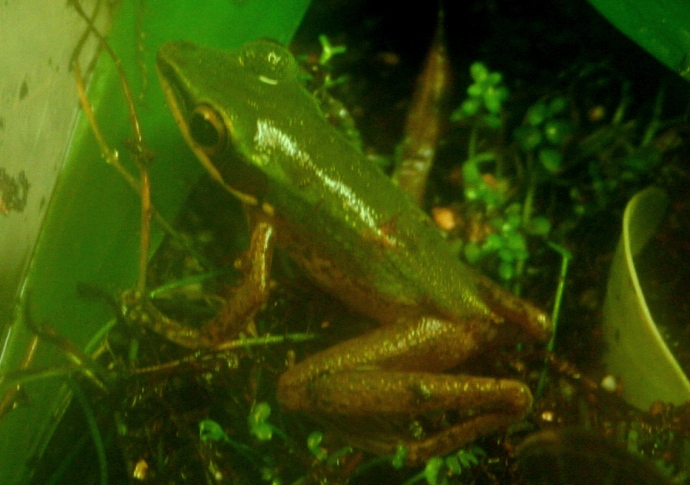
x=260, y=134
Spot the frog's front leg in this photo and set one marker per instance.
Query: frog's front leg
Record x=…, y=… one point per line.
x=396, y=371
x=253, y=292
x=237, y=314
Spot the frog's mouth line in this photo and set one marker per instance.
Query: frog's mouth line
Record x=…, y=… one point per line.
x=181, y=104
x=178, y=101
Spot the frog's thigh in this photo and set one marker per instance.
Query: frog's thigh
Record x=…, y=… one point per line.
x=367, y=392
x=483, y=404
x=426, y=344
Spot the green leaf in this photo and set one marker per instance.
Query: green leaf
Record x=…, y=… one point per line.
x=467, y=458
x=398, y=460
x=506, y=255
x=432, y=470
x=313, y=443
x=475, y=90
x=557, y=105
x=257, y=420
x=537, y=113
x=506, y=271
x=209, y=430
x=479, y=72
x=493, y=242
x=515, y=242
x=494, y=78
x=538, y=226
x=658, y=26
x=556, y=131
x=468, y=108
x=494, y=97
x=453, y=464
x=550, y=159
x=528, y=137
x=493, y=121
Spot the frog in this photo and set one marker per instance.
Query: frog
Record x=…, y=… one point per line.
x=309, y=192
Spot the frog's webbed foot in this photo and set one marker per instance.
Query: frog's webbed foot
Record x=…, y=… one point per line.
x=139, y=310
x=395, y=371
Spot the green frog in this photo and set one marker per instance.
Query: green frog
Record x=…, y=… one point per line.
x=310, y=192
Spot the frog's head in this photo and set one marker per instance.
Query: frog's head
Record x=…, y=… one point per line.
x=218, y=99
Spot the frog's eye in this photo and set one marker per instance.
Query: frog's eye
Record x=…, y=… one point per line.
x=207, y=129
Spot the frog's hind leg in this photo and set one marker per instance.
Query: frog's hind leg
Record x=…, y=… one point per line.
x=395, y=371
x=479, y=405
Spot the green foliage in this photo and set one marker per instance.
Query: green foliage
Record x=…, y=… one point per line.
x=313, y=443
x=510, y=222
x=321, y=454
x=432, y=471
x=209, y=430
x=508, y=242
x=398, y=460
x=258, y=422
x=485, y=97
x=477, y=188
x=320, y=79
x=545, y=132
x=557, y=150
x=329, y=50
x=438, y=470
x=660, y=27
x=324, y=67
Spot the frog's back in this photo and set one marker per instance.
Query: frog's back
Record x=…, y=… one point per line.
x=363, y=239
x=339, y=215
